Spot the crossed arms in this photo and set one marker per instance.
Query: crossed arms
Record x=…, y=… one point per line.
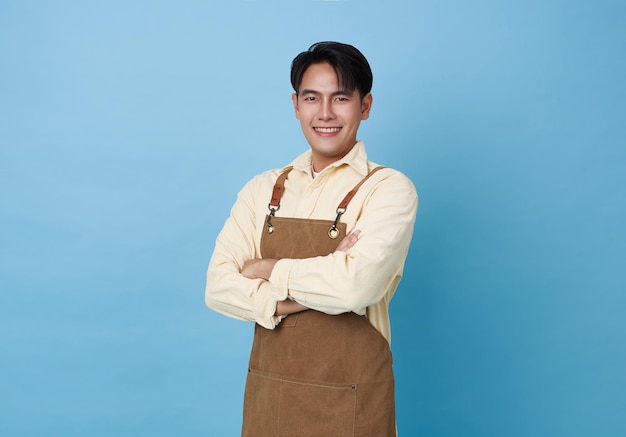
x=363, y=271
x=262, y=269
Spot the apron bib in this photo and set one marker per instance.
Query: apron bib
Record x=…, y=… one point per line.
x=316, y=374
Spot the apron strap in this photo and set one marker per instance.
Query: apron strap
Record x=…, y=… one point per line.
x=334, y=232
x=344, y=203
x=277, y=192
x=279, y=189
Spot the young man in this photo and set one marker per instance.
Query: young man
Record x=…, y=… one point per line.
x=320, y=361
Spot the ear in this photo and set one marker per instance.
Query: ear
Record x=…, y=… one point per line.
x=366, y=105
x=294, y=99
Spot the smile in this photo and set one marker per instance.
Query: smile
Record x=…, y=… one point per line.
x=327, y=130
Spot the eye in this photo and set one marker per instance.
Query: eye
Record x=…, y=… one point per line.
x=341, y=99
x=309, y=98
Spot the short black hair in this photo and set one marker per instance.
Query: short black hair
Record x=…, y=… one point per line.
x=353, y=70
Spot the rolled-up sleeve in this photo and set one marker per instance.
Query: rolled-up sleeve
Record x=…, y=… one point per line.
x=279, y=279
x=227, y=291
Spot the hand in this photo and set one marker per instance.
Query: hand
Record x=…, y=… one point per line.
x=258, y=268
x=287, y=307
x=348, y=241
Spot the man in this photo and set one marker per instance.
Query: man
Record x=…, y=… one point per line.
x=320, y=361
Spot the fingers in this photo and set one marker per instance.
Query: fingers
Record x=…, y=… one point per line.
x=353, y=237
x=348, y=241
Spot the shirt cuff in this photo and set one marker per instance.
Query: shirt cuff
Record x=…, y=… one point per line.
x=265, y=307
x=279, y=279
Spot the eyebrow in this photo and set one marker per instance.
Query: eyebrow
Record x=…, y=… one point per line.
x=336, y=93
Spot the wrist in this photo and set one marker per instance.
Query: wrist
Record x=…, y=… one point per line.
x=267, y=266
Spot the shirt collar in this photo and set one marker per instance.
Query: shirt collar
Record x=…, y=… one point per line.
x=356, y=158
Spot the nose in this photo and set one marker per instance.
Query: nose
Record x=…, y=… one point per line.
x=325, y=110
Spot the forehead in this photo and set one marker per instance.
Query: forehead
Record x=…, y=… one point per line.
x=321, y=78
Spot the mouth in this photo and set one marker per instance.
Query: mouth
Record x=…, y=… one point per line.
x=326, y=130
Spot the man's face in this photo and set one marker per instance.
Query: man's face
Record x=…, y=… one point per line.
x=329, y=116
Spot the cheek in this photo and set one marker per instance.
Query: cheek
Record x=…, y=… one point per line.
x=303, y=114
x=354, y=114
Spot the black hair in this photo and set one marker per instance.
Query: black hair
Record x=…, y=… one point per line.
x=353, y=70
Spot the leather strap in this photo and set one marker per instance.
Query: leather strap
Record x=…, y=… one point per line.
x=279, y=189
x=346, y=200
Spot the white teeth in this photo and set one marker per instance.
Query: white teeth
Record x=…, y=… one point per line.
x=327, y=129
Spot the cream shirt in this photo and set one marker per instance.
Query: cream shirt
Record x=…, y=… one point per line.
x=362, y=280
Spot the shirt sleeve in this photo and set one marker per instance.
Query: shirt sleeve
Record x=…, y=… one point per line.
x=361, y=277
x=227, y=290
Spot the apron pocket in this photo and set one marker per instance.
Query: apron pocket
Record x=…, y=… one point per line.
x=287, y=407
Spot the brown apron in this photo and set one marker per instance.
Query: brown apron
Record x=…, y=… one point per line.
x=316, y=374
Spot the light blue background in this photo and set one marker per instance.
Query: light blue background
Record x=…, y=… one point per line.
x=127, y=128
